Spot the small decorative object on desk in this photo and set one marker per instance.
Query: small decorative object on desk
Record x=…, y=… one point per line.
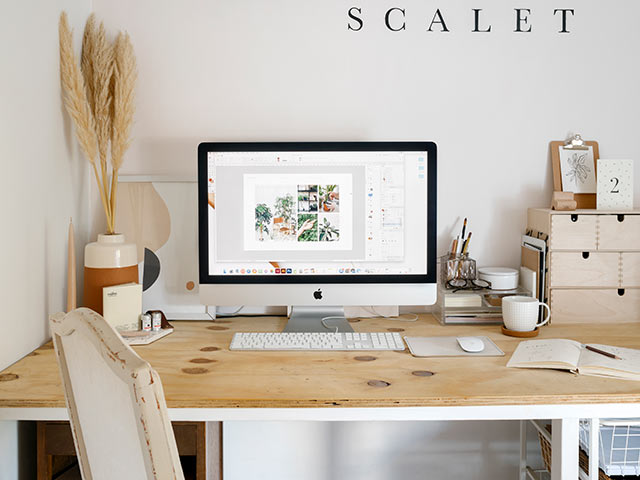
x=457, y=269
x=145, y=320
x=615, y=184
x=574, y=169
x=138, y=337
x=122, y=305
x=109, y=261
x=563, y=201
x=156, y=321
x=147, y=335
x=71, y=271
x=520, y=315
x=459, y=272
x=99, y=97
x=500, y=278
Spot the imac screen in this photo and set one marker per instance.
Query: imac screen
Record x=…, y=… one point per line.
x=317, y=213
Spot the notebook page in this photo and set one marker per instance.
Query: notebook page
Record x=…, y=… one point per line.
x=629, y=363
x=552, y=353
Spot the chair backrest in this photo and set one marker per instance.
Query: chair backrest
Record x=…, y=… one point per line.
x=115, y=401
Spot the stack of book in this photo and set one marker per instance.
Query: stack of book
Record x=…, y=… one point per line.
x=462, y=300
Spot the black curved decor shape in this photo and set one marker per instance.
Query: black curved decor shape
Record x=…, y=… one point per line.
x=151, y=269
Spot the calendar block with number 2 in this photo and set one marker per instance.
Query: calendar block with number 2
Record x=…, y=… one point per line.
x=615, y=184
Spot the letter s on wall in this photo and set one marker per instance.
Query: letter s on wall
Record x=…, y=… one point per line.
x=357, y=19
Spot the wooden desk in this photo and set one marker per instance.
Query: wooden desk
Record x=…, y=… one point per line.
x=203, y=380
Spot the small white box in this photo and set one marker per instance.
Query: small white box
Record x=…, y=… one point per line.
x=122, y=306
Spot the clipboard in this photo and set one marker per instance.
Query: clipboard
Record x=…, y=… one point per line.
x=583, y=200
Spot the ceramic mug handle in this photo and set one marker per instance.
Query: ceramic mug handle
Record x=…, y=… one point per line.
x=546, y=320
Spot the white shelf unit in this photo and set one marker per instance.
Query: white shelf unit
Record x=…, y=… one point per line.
x=528, y=473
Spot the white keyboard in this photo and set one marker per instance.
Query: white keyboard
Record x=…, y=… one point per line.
x=317, y=341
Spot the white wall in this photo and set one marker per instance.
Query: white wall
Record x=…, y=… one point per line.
x=42, y=185
x=9, y=449
x=290, y=70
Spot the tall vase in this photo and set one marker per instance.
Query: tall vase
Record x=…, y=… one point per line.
x=107, y=262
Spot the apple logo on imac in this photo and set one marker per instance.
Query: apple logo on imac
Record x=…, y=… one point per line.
x=317, y=294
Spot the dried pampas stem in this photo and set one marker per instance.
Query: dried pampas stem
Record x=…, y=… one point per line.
x=75, y=100
x=75, y=96
x=86, y=58
x=124, y=76
x=102, y=72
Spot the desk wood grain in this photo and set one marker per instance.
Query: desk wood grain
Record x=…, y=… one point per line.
x=199, y=371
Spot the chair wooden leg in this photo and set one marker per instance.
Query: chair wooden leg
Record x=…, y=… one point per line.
x=44, y=465
x=201, y=451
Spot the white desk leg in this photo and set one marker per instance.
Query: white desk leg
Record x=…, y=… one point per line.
x=594, y=448
x=523, y=449
x=564, y=449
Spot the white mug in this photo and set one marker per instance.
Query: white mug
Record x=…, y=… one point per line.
x=520, y=313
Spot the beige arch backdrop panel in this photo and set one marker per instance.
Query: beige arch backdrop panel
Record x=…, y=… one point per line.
x=162, y=216
x=142, y=216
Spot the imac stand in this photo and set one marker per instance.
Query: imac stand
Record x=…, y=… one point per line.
x=310, y=319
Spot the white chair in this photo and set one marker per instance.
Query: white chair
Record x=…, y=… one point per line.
x=115, y=401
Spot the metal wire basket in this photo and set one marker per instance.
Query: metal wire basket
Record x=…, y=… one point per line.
x=619, y=445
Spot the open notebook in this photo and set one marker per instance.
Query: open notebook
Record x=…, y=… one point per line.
x=573, y=356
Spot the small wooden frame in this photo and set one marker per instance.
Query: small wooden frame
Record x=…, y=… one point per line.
x=583, y=200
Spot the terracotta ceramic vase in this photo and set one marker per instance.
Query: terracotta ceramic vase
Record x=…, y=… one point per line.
x=107, y=262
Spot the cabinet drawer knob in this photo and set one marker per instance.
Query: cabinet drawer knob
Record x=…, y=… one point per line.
x=574, y=217
x=585, y=255
x=620, y=292
x=621, y=218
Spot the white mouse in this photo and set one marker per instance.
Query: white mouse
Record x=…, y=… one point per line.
x=471, y=344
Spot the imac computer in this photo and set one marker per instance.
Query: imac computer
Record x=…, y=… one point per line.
x=316, y=226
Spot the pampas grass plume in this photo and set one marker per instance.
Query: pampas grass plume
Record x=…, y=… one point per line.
x=75, y=98
x=77, y=105
x=100, y=100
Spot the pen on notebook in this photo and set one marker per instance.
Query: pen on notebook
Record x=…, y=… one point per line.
x=602, y=352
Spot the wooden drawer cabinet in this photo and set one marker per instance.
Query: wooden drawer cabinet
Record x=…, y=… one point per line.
x=630, y=269
x=593, y=264
x=597, y=305
x=573, y=232
x=618, y=232
x=584, y=269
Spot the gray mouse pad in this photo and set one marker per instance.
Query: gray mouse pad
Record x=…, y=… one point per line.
x=448, y=347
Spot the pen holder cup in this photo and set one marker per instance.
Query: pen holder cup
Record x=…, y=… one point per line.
x=457, y=271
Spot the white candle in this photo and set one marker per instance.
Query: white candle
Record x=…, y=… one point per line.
x=71, y=271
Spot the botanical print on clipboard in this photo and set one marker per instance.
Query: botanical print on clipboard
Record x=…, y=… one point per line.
x=578, y=170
